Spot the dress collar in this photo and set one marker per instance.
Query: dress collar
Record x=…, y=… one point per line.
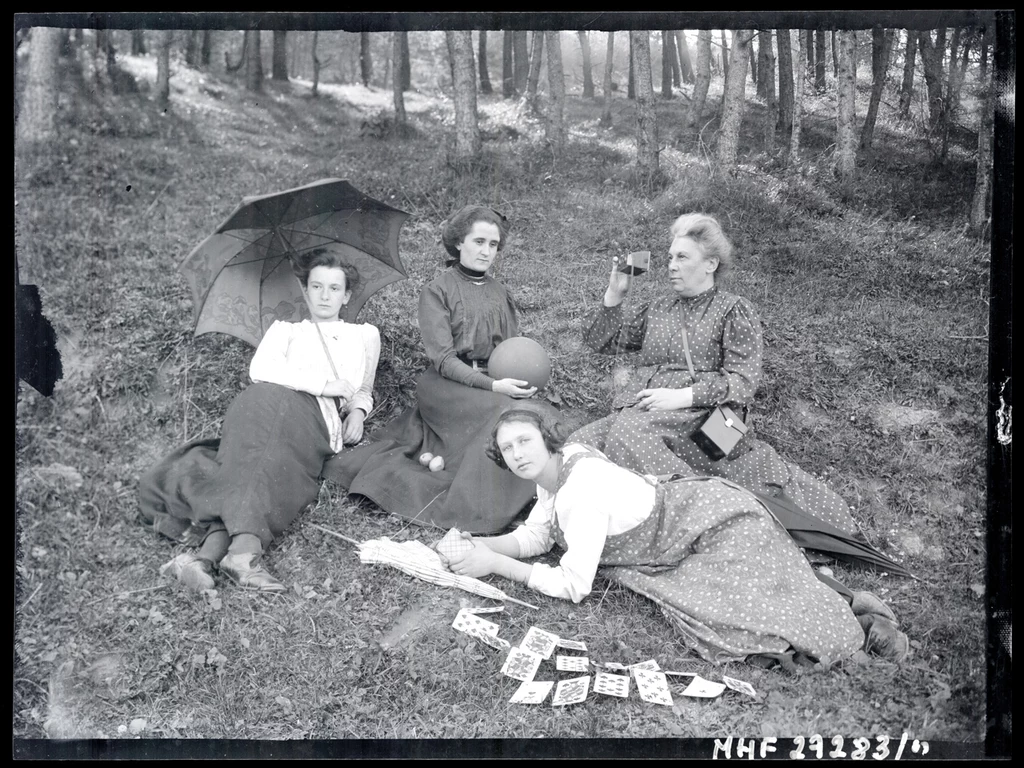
x=690, y=300
x=470, y=275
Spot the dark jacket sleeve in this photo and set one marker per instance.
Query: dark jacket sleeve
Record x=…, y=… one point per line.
x=612, y=330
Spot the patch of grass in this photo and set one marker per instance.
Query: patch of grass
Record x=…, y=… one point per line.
x=864, y=294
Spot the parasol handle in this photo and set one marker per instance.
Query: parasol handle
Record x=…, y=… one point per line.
x=519, y=602
x=332, y=533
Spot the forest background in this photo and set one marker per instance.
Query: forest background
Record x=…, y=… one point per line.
x=852, y=167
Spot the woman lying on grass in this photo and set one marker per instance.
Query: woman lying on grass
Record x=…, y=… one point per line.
x=312, y=385
x=726, y=574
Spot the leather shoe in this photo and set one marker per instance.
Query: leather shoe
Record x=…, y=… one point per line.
x=246, y=572
x=194, y=572
x=865, y=602
x=882, y=638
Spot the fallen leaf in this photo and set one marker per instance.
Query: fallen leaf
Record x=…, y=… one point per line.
x=138, y=725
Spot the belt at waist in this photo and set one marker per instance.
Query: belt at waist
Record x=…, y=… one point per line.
x=476, y=365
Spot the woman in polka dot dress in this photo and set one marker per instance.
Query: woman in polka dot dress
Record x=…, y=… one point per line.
x=725, y=573
x=658, y=409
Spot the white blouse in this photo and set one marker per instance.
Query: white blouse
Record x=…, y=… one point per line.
x=292, y=355
x=597, y=500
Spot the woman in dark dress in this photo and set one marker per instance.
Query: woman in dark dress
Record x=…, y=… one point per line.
x=464, y=314
x=312, y=387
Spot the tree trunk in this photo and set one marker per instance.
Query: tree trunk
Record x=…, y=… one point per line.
x=609, y=60
x=204, y=48
x=667, y=57
x=485, y=78
x=767, y=70
x=646, y=118
x=725, y=58
x=764, y=50
x=37, y=108
x=467, y=129
x=138, y=42
x=907, y=87
x=980, y=210
x=630, y=80
x=588, y=76
x=316, y=66
x=670, y=42
x=835, y=56
x=405, y=70
x=163, y=68
x=881, y=50
x=799, y=70
x=533, y=82
x=508, y=77
x=819, y=60
x=520, y=60
x=191, y=48
x=396, y=83
x=703, y=78
x=733, y=98
x=952, y=88
x=931, y=60
x=555, y=123
x=279, y=60
x=228, y=66
x=253, y=61
x=809, y=44
x=365, y=59
x=685, y=65
x=753, y=66
x=784, y=44
x=846, y=92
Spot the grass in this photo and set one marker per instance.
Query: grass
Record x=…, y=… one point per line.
x=874, y=307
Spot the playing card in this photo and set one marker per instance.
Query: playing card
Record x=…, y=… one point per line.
x=492, y=640
x=532, y=692
x=465, y=621
x=540, y=642
x=572, y=645
x=521, y=664
x=652, y=686
x=651, y=665
x=739, y=685
x=612, y=685
x=452, y=545
x=571, y=691
x=614, y=665
x=702, y=688
x=484, y=609
x=572, y=663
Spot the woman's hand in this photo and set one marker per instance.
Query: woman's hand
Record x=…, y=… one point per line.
x=477, y=562
x=513, y=388
x=618, y=285
x=352, y=429
x=665, y=399
x=339, y=388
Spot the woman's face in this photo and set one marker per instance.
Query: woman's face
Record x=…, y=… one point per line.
x=522, y=447
x=688, y=270
x=479, y=248
x=326, y=293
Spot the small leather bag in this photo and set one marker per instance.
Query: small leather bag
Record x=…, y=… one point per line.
x=722, y=429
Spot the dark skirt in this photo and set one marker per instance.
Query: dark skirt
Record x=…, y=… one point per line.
x=453, y=421
x=256, y=478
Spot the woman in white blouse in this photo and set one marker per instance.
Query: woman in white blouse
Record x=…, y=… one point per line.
x=312, y=388
x=725, y=573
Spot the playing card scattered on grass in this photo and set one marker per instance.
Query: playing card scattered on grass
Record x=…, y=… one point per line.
x=612, y=685
x=540, y=642
x=652, y=686
x=485, y=609
x=679, y=674
x=466, y=621
x=521, y=664
x=739, y=685
x=492, y=640
x=532, y=692
x=571, y=691
x=452, y=545
x=614, y=665
x=705, y=689
x=572, y=645
x=651, y=665
x=572, y=663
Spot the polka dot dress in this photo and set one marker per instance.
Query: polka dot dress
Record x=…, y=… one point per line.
x=725, y=341
x=726, y=575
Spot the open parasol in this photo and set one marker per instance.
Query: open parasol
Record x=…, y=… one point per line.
x=241, y=277
x=419, y=560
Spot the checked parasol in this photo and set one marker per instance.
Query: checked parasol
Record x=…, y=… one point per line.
x=419, y=560
x=241, y=276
